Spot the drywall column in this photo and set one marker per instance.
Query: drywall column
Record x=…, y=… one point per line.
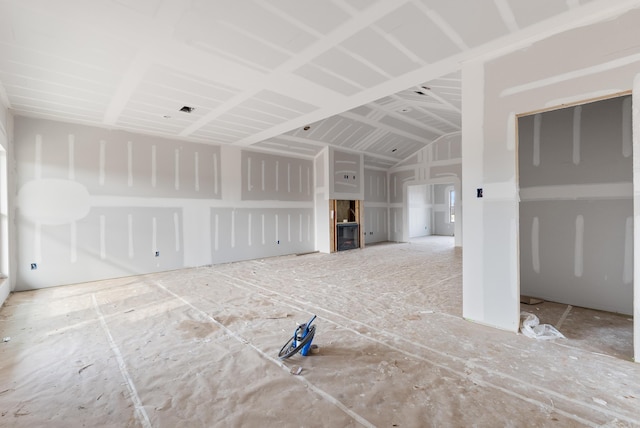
x=473, y=293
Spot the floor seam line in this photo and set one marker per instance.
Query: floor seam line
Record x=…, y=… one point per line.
x=503, y=375
x=140, y=412
x=361, y=420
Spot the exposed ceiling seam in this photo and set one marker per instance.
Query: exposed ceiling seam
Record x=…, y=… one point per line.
x=406, y=119
x=344, y=31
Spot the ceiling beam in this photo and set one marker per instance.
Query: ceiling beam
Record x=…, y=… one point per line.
x=283, y=73
x=438, y=98
x=391, y=129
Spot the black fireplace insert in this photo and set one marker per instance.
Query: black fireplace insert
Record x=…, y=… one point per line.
x=347, y=234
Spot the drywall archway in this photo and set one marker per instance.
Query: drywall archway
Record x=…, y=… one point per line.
x=445, y=180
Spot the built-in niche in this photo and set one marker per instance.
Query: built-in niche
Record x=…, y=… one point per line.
x=576, y=205
x=345, y=224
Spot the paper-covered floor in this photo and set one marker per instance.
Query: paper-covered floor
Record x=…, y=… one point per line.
x=198, y=348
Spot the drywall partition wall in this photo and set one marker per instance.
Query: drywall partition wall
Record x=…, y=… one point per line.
x=256, y=228
x=376, y=223
x=576, y=205
x=419, y=199
x=398, y=216
x=323, y=223
x=94, y=204
x=269, y=177
x=603, y=60
x=438, y=163
x=250, y=233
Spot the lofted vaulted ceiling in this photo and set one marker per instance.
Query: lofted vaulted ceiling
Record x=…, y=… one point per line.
x=379, y=77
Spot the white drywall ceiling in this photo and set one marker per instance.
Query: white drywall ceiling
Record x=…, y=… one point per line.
x=258, y=71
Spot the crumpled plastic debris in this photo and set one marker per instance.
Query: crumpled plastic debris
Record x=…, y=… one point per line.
x=530, y=326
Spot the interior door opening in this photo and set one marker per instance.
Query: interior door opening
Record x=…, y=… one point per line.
x=431, y=210
x=575, y=174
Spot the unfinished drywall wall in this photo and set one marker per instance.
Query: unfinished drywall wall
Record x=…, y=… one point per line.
x=268, y=177
x=323, y=222
x=604, y=59
x=346, y=173
x=338, y=175
x=375, y=228
x=438, y=163
x=419, y=202
x=94, y=203
x=576, y=205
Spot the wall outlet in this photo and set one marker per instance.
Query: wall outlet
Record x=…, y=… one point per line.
x=278, y=242
x=34, y=266
x=157, y=253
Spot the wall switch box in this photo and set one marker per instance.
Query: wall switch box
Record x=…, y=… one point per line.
x=479, y=193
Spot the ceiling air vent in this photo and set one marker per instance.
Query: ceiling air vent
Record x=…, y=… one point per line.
x=187, y=109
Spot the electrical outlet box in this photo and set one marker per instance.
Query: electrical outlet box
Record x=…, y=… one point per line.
x=157, y=253
x=34, y=266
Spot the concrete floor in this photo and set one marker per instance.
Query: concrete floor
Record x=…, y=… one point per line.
x=199, y=347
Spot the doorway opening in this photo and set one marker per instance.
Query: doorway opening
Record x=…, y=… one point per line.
x=431, y=210
x=575, y=175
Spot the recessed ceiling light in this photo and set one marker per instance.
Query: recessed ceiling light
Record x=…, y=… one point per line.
x=405, y=110
x=187, y=109
x=166, y=116
x=419, y=92
x=393, y=151
x=306, y=128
